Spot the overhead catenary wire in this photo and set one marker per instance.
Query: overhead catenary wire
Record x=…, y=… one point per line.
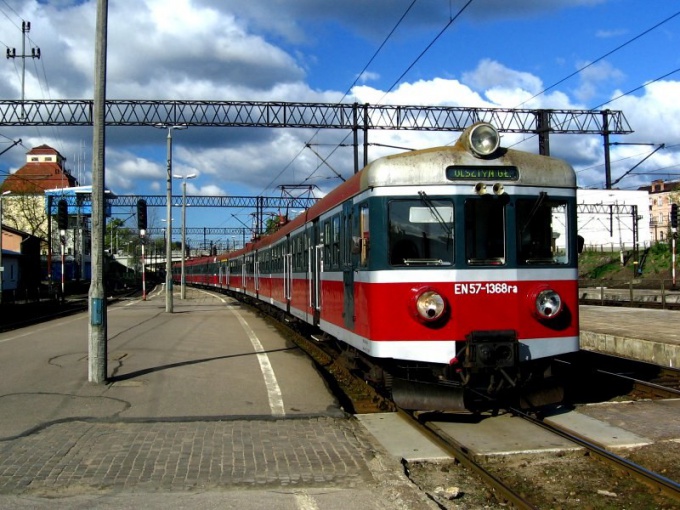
x=452, y=19
x=349, y=89
x=609, y=53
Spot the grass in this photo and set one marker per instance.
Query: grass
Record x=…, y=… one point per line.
x=605, y=268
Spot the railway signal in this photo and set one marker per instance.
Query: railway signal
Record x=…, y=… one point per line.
x=141, y=214
x=674, y=216
x=62, y=216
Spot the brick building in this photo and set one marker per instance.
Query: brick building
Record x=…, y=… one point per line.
x=661, y=195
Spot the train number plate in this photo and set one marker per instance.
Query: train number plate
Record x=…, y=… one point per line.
x=485, y=288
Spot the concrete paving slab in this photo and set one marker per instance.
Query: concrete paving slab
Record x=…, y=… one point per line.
x=596, y=431
x=400, y=438
x=658, y=420
x=504, y=435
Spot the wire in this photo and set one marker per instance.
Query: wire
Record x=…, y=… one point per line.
x=452, y=19
x=422, y=53
x=636, y=89
x=349, y=89
x=599, y=59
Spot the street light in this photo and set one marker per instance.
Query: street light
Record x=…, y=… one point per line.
x=2, y=269
x=168, y=243
x=184, y=230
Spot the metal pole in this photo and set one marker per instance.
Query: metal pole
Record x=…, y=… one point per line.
x=168, y=220
x=2, y=269
x=97, y=348
x=143, y=271
x=673, y=255
x=184, y=236
x=62, y=236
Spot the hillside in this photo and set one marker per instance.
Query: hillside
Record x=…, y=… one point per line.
x=605, y=268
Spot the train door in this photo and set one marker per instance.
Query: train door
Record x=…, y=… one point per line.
x=347, y=265
x=317, y=268
x=287, y=274
x=256, y=274
x=243, y=274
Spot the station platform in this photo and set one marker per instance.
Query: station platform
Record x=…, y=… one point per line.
x=206, y=407
x=641, y=334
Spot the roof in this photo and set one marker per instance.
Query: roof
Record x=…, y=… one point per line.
x=44, y=149
x=36, y=177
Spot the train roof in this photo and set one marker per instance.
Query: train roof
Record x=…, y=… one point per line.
x=430, y=167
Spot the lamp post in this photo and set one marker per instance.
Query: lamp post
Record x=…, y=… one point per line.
x=2, y=268
x=184, y=178
x=168, y=243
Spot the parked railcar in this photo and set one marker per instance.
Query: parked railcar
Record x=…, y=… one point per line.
x=453, y=270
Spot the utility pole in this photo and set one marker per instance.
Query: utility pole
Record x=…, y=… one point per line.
x=12, y=53
x=97, y=348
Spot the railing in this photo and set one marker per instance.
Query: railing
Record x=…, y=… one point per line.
x=659, y=293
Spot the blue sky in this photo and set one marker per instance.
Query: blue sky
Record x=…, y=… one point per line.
x=495, y=53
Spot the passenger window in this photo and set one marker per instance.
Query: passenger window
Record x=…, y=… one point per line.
x=364, y=240
x=485, y=231
x=335, y=246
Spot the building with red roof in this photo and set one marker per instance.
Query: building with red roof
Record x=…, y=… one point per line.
x=44, y=170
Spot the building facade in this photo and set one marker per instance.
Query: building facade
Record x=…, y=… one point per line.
x=662, y=195
x=24, y=193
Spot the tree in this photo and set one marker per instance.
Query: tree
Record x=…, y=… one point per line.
x=119, y=237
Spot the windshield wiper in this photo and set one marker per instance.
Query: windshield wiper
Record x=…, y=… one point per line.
x=539, y=202
x=435, y=213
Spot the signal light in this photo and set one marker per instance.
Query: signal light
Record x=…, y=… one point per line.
x=141, y=214
x=674, y=215
x=62, y=214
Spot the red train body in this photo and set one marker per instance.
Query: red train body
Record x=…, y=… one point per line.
x=454, y=268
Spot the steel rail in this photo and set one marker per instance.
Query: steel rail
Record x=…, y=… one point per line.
x=654, y=480
x=462, y=455
x=645, y=387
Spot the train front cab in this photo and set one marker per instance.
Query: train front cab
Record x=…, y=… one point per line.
x=470, y=281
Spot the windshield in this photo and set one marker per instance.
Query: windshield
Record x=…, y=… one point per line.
x=541, y=231
x=421, y=232
x=485, y=231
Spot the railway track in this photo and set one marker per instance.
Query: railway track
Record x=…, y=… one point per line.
x=652, y=490
x=622, y=378
x=16, y=316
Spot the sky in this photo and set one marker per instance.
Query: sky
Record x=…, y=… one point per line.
x=564, y=54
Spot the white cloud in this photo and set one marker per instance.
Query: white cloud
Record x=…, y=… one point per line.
x=595, y=76
x=263, y=51
x=491, y=75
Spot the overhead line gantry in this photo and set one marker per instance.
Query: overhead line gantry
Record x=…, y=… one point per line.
x=354, y=116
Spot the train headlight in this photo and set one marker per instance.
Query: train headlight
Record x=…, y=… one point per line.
x=547, y=304
x=430, y=306
x=484, y=139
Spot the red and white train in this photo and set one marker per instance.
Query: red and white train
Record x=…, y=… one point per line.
x=453, y=270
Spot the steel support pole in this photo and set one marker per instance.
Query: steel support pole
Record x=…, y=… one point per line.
x=2, y=269
x=143, y=271
x=168, y=241
x=183, y=292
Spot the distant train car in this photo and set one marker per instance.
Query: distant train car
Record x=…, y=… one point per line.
x=451, y=271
